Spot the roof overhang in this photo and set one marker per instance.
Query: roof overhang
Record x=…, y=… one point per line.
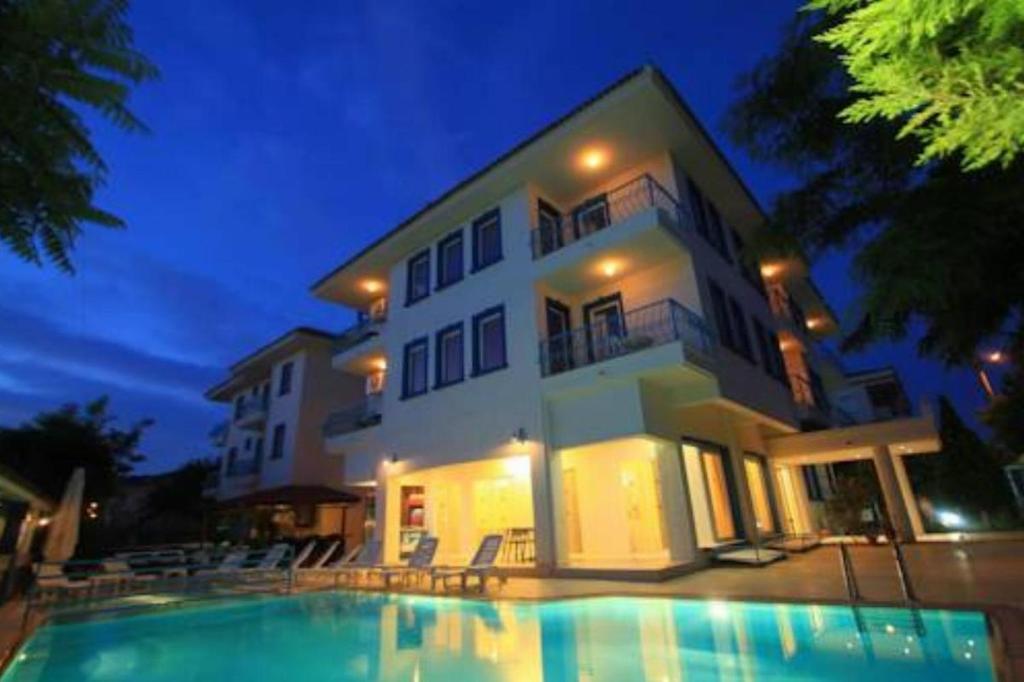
x=638, y=117
x=913, y=435
x=255, y=366
x=289, y=495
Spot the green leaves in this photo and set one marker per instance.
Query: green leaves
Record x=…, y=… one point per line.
x=950, y=73
x=59, y=56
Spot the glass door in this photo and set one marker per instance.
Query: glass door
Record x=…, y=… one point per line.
x=606, y=327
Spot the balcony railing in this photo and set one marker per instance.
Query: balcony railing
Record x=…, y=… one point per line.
x=254, y=405
x=244, y=467
x=651, y=325
x=604, y=211
x=219, y=434
x=363, y=414
x=365, y=328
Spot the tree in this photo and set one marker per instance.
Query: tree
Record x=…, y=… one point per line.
x=180, y=494
x=59, y=56
x=935, y=249
x=949, y=72
x=966, y=477
x=47, y=449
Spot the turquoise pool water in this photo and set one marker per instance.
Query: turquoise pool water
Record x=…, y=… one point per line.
x=344, y=636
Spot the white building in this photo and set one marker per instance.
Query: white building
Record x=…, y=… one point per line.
x=570, y=348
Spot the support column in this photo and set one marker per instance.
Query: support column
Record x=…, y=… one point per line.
x=895, y=503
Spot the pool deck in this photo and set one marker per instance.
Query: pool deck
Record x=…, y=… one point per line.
x=985, y=576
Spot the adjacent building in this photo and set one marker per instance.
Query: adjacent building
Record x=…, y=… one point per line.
x=572, y=347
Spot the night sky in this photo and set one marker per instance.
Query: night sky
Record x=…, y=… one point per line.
x=284, y=139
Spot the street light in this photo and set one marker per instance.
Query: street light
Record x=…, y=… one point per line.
x=992, y=357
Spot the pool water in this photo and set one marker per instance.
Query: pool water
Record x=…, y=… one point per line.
x=349, y=636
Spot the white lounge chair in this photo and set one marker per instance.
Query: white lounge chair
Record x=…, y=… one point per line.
x=327, y=554
x=52, y=581
x=270, y=561
x=232, y=561
x=419, y=562
x=303, y=554
x=366, y=560
x=480, y=567
x=119, y=573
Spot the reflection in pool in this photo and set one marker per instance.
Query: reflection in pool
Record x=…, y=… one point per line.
x=347, y=636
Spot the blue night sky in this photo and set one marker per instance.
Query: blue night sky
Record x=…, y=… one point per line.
x=284, y=140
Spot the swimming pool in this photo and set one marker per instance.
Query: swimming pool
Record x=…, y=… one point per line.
x=350, y=636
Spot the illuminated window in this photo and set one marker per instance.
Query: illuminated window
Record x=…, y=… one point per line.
x=719, y=503
x=760, y=495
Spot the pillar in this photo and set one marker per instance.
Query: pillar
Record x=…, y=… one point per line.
x=895, y=502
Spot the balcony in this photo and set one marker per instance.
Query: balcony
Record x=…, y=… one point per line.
x=219, y=434
x=361, y=415
x=251, y=413
x=606, y=211
x=656, y=324
x=358, y=341
x=243, y=467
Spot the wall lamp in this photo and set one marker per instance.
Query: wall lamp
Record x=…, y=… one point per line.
x=519, y=435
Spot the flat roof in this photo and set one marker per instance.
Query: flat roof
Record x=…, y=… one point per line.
x=291, y=337
x=649, y=70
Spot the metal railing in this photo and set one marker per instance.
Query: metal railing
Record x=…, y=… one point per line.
x=219, y=433
x=361, y=415
x=244, y=467
x=252, y=405
x=365, y=328
x=645, y=327
x=606, y=210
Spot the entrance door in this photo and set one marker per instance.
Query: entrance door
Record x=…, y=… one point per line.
x=606, y=327
x=560, y=338
x=790, y=501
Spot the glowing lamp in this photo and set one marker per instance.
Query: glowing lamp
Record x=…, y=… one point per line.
x=609, y=268
x=593, y=159
x=995, y=356
x=372, y=286
x=770, y=270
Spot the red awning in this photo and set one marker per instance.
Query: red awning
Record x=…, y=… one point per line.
x=295, y=494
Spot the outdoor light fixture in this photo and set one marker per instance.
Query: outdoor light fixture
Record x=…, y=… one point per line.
x=769, y=270
x=995, y=356
x=593, y=158
x=519, y=435
x=372, y=286
x=814, y=323
x=609, y=268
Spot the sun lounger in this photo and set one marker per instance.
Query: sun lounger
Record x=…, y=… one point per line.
x=232, y=561
x=303, y=554
x=368, y=558
x=419, y=562
x=751, y=556
x=480, y=567
x=119, y=573
x=321, y=561
x=51, y=580
x=270, y=561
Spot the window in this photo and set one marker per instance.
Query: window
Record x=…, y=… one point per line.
x=259, y=449
x=277, y=443
x=780, y=362
x=232, y=457
x=449, y=260
x=716, y=232
x=762, y=340
x=248, y=444
x=448, y=348
x=489, y=341
x=813, y=484
x=239, y=406
x=414, y=368
x=739, y=327
x=591, y=216
x=717, y=481
x=265, y=400
x=486, y=240
x=747, y=269
x=285, y=387
x=721, y=310
x=760, y=494
x=417, y=283
x=697, y=207
x=549, y=229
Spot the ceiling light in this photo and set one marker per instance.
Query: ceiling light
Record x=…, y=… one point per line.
x=372, y=286
x=769, y=270
x=593, y=158
x=609, y=268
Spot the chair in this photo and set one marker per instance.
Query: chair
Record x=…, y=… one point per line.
x=327, y=554
x=303, y=554
x=480, y=567
x=119, y=573
x=270, y=560
x=367, y=559
x=232, y=561
x=50, y=579
x=419, y=562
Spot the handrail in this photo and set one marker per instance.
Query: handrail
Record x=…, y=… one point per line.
x=605, y=210
x=909, y=595
x=356, y=334
x=651, y=325
x=253, y=404
x=360, y=415
x=244, y=467
x=849, y=578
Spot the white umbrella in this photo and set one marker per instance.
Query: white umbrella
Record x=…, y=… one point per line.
x=63, y=531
